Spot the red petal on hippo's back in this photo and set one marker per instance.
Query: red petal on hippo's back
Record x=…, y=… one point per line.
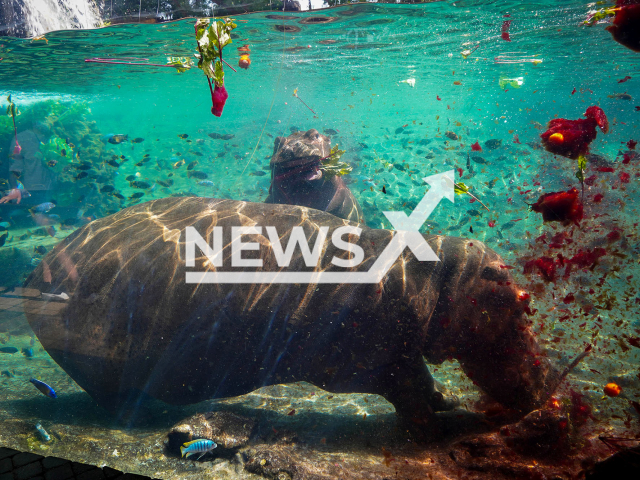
x=598, y=115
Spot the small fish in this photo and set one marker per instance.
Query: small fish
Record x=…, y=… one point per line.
x=81, y=175
x=384, y=190
x=8, y=350
x=479, y=160
x=52, y=163
x=330, y=131
x=197, y=174
x=183, y=136
x=51, y=231
x=206, y=183
x=136, y=195
x=27, y=352
x=258, y=173
x=179, y=163
x=3, y=239
x=107, y=189
x=137, y=140
x=200, y=446
x=621, y=96
x=165, y=183
x=44, y=388
x=113, y=163
x=451, y=135
x=118, y=195
x=40, y=250
x=63, y=152
x=192, y=165
x=141, y=185
x=43, y=207
x=198, y=154
x=43, y=433
x=83, y=166
x=493, y=143
x=116, y=139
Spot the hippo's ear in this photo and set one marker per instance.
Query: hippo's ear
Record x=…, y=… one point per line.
x=494, y=274
x=277, y=143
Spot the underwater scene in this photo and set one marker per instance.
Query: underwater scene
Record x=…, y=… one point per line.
x=369, y=241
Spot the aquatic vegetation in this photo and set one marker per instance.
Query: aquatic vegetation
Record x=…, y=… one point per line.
x=564, y=207
x=626, y=22
x=212, y=36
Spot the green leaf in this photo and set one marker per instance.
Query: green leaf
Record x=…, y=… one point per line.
x=212, y=37
x=332, y=164
x=460, y=188
x=598, y=15
x=182, y=64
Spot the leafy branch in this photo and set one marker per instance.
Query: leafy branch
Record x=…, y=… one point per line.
x=332, y=164
x=461, y=189
x=181, y=64
x=582, y=166
x=212, y=37
x=597, y=15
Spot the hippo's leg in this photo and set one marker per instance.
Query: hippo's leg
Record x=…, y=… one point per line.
x=409, y=387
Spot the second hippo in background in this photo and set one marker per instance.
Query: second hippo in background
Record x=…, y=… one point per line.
x=297, y=177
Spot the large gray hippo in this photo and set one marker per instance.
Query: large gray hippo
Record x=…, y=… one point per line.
x=132, y=324
x=297, y=177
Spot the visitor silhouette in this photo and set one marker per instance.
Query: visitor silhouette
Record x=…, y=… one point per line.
x=28, y=169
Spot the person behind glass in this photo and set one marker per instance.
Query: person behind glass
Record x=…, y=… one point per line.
x=27, y=168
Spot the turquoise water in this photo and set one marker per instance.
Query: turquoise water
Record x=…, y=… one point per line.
x=405, y=100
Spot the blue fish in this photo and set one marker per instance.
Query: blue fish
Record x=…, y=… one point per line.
x=27, y=352
x=200, y=446
x=43, y=207
x=44, y=388
x=43, y=433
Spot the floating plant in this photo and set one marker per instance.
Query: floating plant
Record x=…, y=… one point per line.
x=625, y=28
x=571, y=138
x=332, y=165
x=212, y=36
x=12, y=111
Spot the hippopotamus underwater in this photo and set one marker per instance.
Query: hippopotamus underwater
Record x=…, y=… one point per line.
x=132, y=323
x=297, y=177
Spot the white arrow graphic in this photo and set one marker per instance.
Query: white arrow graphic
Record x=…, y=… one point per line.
x=441, y=187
